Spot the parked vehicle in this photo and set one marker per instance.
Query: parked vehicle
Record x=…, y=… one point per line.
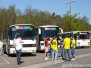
x=27, y=33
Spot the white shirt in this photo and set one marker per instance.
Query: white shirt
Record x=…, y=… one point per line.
x=1, y=44
x=18, y=43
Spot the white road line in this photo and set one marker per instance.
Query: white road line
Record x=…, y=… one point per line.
x=83, y=55
x=2, y=63
x=45, y=64
x=5, y=60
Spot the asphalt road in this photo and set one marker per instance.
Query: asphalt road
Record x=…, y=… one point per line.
x=37, y=61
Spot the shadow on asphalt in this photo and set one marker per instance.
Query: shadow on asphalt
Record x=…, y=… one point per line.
x=21, y=62
x=83, y=47
x=42, y=51
x=23, y=55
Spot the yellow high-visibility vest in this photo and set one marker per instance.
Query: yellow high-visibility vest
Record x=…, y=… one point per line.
x=73, y=43
x=54, y=45
x=67, y=43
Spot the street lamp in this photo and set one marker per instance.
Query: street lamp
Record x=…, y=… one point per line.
x=70, y=2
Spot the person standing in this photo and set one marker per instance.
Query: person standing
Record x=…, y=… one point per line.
x=46, y=48
x=18, y=46
x=73, y=46
x=67, y=53
x=50, y=50
x=54, y=47
x=61, y=48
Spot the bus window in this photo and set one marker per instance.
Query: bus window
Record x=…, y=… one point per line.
x=84, y=36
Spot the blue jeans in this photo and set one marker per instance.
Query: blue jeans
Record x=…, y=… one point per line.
x=50, y=51
x=18, y=55
x=54, y=55
x=73, y=52
x=62, y=51
x=67, y=54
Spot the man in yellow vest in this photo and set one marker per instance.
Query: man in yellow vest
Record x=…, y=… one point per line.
x=73, y=46
x=66, y=45
x=54, y=47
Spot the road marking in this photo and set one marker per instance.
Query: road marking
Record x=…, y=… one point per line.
x=5, y=60
x=41, y=65
x=2, y=63
x=83, y=55
x=49, y=63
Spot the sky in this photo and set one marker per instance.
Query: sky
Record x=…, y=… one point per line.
x=60, y=7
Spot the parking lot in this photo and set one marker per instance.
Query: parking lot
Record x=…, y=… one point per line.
x=32, y=59
x=27, y=59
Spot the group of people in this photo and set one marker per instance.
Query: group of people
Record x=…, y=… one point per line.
x=66, y=45
x=67, y=48
x=51, y=45
x=69, y=45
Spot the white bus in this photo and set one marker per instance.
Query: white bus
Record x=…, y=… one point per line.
x=81, y=37
x=46, y=31
x=27, y=33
